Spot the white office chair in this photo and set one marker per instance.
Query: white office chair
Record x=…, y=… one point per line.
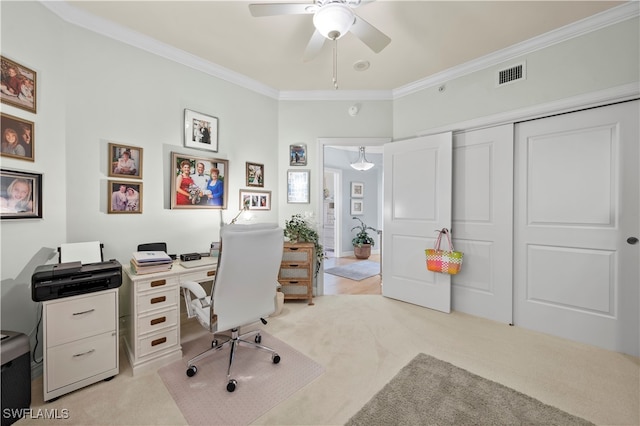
x=243, y=292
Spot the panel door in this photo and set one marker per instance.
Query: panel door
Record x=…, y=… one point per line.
x=576, y=202
x=483, y=222
x=417, y=202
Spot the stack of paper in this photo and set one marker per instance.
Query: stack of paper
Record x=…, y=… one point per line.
x=148, y=262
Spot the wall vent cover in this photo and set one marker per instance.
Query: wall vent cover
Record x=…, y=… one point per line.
x=511, y=74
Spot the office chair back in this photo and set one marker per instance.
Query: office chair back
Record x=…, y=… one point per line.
x=244, y=289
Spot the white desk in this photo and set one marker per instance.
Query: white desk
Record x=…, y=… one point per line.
x=153, y=326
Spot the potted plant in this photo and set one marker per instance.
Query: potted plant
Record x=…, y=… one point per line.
x=362, y=242
x=298, y=229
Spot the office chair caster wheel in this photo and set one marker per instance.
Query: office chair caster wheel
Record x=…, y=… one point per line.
x=258, y=338
x=275, y=358
x=214, y=343
x=231, y=386
x=191, y=371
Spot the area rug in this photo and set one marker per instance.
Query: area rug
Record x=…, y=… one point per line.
x=203, y=399
x=428, y=391
x=356, y=271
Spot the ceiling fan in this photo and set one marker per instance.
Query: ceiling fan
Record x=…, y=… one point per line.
x=332, y=20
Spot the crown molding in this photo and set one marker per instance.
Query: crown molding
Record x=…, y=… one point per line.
x=114, y=31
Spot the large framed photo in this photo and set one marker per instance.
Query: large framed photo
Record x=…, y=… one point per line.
x=18, y=85
x=200, y=131
x=17, y=138
x=125, y=161
x=20, y=195
x=298, y=155
x=357, y=190
x=357, y=207
x=198, y=182
x=124, y=196
x=255, y=200
x=255, y=174
x=298, y=184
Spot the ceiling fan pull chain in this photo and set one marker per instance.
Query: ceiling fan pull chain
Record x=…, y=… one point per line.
x=335, y=64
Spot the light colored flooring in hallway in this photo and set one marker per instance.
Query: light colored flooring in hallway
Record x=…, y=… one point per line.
x=334, y=284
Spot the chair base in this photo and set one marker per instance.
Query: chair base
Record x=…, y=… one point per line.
x=234, y=341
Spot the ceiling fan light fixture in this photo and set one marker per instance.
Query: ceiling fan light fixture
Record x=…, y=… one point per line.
x=333, y=20
x=361, y=164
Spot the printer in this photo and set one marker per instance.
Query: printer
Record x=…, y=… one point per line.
x=73, y=278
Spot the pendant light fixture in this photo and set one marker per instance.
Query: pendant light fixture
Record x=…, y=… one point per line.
x=361, y=164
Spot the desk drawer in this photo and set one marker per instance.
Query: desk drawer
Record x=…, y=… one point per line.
x=157, y=342
x=157, y=284
x=200, y=276
x=157, y=321
x=75, y=318
x=158, y=300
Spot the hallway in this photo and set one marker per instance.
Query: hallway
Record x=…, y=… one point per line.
x=334, y=285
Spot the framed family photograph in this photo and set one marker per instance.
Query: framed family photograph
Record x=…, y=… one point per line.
x=124, y=196
x=20, y=195
x=17, y=138
x=17, y=85
x=357, y=189
x=200, y=131
x=125, y=161
x=298, y=155
x=255, y=200
x=298, y=184
x=255, y=174
x=357, y=207
x=198, y=182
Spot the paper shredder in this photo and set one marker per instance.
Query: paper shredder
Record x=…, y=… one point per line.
x=16, y=376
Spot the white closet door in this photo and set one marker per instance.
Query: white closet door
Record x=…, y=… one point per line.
x=483, y=222
x=576, y=200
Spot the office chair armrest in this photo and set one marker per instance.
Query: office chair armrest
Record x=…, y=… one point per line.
x=194, y=288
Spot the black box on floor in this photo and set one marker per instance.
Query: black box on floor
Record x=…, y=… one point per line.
x=16, y=376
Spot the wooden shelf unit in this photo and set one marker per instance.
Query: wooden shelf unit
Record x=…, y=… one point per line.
x=296, y=271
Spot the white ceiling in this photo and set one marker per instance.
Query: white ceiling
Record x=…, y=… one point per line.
x=428, y=37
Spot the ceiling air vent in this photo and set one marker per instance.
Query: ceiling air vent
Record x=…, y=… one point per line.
x=511, y=75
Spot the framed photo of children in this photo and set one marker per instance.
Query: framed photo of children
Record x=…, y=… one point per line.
x=298, y=155
x=125, y=196
x=17, y=137
x=125, y=161
x=200, y=131
x=198, y=182
x=255, y=174
x=255, y=200
x=20, y=195
x=17, y=85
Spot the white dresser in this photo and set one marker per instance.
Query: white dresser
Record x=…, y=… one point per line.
x=152, y=338
x=80, y=336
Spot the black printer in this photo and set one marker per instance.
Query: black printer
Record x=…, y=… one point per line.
x=73, y=278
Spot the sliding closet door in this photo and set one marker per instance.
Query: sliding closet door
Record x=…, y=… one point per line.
x=576, y=205
x=483, y=222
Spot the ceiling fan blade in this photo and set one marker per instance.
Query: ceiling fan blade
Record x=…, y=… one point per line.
x=370, y=35
x=272, y=9
x=314, y=46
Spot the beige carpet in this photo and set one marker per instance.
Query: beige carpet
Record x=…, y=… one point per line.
x=428, y=391
x=203, y=399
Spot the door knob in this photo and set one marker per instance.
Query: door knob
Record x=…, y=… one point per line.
x=632, y=240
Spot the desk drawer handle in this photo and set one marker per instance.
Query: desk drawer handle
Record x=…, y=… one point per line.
x=159, y=341
x=84, y=353
x=294, y=265
x=84, y=312
x=158, y=283
x=293, y=248
x=158, y=299
x=211, y=273
x=158, y=320
x=294, y=282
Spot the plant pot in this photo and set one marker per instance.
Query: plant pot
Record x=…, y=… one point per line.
x=362, y=252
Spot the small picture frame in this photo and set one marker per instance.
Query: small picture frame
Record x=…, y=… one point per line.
x=357, y=190
x=198, y=182
x=298, y=184
x=20, y=195
x=124, y=196
x=18, y=139
x=125, y=161
x=357, y=207
x=200, y=131
x=255, y=200
x=255, y=174
x=298, y=155
x=17, y=85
